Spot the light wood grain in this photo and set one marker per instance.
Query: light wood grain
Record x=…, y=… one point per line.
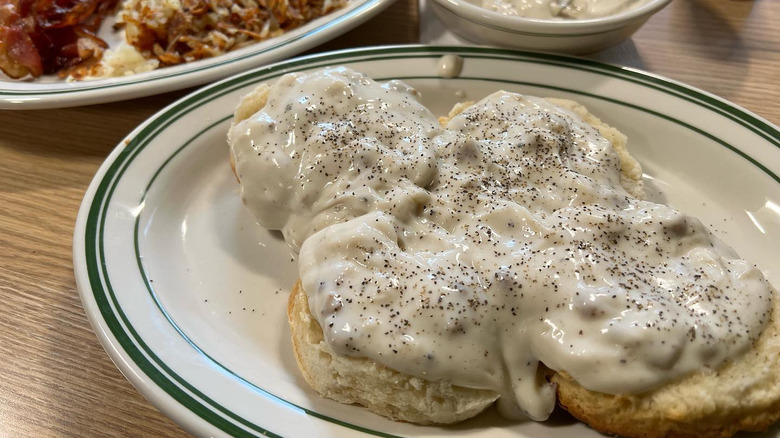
x=730, y=48
x=56, y=379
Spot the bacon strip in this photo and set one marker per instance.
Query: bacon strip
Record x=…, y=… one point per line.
x=50, y=36
x=18, y=55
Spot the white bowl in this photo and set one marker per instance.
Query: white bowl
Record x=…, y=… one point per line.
x=550, y=35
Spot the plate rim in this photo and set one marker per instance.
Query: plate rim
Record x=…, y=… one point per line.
x=132, y=143
x=31, y=95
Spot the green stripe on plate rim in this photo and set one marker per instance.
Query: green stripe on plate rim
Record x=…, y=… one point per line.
x=740, y=116
x=369, y=4
x=175, y=326
x=683, y=91
x=106, y=299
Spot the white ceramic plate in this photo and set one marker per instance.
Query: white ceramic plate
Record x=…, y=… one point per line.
x=50, y=92
x=188, y=294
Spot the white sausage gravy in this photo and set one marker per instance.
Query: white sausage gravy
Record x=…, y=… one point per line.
x=555, y=9
x=477, y=251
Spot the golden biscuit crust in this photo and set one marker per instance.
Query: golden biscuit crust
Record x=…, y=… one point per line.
x=743, y=395
x=362, y=381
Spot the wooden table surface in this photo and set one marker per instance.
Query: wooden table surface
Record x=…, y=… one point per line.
x=55, y=378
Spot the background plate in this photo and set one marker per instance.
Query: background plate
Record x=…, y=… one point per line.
x=50, y=92
x=188, y=294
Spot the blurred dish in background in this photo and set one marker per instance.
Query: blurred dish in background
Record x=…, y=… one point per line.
x=51, y=91
x=587, y=33
x=61, y=36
